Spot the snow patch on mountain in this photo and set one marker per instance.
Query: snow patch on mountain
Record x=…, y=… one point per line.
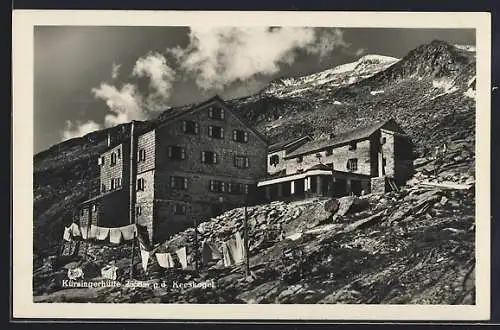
x=339, y=76
x=377, y=92
x=467, y=48
x=446, y=84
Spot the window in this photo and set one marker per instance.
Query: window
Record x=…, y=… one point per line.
x=237, y=188
x=101, y=160
x=352, y=164
x=82, y=212
x=175, y=152
x=178, y=182
x=138, y=210
x=119, y=153
x=216, y=112
x=208, y=157
x=383, y=140
x=103, y=188
x=353, y=146
x=240, y=136
x=142, y=155
x=94, y=208
x=384, y=161
x=217, y=186
x=216, y=132
x=329, y=152
x=113, y=159
x=190, y=127
x=274, y=160
x=116, y=183
x=179, y=209
x=299, y=159
x=241, y=161
x=140, y=184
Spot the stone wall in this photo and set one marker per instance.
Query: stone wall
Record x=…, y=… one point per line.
x=338, y=157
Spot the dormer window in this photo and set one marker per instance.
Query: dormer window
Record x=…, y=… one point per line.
x=329, y=152
x=353, y=146
x=299, y=159
x=274, y=160
x=190, y=127
x=216, y=112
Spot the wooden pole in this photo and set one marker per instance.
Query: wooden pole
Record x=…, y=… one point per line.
x=196, y=244
x=247, y=255
x=131, y=192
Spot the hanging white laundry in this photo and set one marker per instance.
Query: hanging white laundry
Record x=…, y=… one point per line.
x=165, y=260
x=93, y=232
x=67, y=234
x=102, y=233
x=109, y=272
x=181, y=253
x=115, y=235
x=75, y=230
x=85, y=231
x=128, y=232
x=145, y=259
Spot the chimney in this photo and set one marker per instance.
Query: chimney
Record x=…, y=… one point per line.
x=109, y=139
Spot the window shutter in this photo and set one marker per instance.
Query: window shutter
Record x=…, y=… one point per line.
x=245, y=137
x=221, y=113
x=196, y=128
x=99, y=161
x=235, y=135
x=172, y=182
x=203, y=159
x=184, y=126
x=185, y=183
x=229, y=187
x=234, y=161
x=210, y=112
x=215, y=158
x=118, y=151
x=183, y=153
x=222, y=186
x=169, y=152
x=246, y=162
x=222, y=132
x=211, y=185
x=210, y=133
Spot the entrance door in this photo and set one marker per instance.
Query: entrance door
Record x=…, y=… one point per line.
x=340, y=187
x=356, y=187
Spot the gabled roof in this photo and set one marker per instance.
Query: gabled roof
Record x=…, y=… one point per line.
x=344, y=138
x=288, y=143
x=177, y=112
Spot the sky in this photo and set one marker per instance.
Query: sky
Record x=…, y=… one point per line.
x=89, y=78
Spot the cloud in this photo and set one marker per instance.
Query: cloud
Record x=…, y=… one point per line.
x=115, y=71
x=161, y=77
x=78, y=129
x=360, y=52
x=126, y=104
x=217, y=57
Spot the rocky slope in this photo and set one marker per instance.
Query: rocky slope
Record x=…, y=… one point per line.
x=430, y=92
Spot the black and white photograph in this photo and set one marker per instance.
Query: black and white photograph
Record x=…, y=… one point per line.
x=185, y=163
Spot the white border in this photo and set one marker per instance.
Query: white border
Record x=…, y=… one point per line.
x=23, y=306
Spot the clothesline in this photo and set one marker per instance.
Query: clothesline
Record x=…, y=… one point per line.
x=233, y=250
